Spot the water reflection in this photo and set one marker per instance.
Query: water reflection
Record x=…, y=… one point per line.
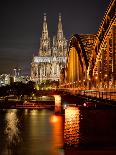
x=71, y=129
x=57, y=134
x=11, y=131
x=44, y=132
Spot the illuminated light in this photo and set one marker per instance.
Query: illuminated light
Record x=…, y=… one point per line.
x=105, y=75
x=71, y=129
x=110, y=83
x=96, y=77
x=57, y=99
x=37, y=87
x=57, y=103
x=12, y=110
x=54, y=119
x=12, y=131
x=84, y=104
x=47, y=88
x=44, y=96
x=26, y=111
x=65, y=106
x=84, y=80
x=57, y=132
x=34, y=112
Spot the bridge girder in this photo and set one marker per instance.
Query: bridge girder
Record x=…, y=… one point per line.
x=102, y=65
x=77, y=63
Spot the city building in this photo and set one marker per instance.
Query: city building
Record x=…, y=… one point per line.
x=7, y=79
x=4, y=79
x=51, y=58
x=18, y=77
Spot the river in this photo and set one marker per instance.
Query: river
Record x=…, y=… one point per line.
x=42, y=132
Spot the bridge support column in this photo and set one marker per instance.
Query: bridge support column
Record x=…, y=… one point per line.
x=57, y=103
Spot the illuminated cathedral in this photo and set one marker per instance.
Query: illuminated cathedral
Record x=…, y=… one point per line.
x=51, y=58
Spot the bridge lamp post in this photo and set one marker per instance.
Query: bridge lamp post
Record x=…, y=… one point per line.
x=74, y=84
x=15, y=74
x=105, y=77
x=84, y=83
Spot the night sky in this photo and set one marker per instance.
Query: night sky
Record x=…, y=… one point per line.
x=21, y=26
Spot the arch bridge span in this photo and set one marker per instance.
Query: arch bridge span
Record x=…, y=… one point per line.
x=91, y=59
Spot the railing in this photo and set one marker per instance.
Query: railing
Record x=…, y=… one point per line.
x=109, y=94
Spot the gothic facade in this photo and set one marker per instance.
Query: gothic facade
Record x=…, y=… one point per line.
x=51, y=59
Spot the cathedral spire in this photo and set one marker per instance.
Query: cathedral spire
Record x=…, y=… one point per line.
x=44, y=40
x=45, y=28
x=60, y=31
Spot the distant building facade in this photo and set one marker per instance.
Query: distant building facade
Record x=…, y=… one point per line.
x=47, y=65
x=7, y=79
x=4, y=79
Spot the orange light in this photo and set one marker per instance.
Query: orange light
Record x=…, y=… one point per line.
x=54, y=119
x=96, y=77
x=71, y=129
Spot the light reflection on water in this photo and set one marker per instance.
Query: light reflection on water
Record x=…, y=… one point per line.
x=71, y=129
x=12, y=132
x=33, y=132
x=42, y=132
x=57, y=124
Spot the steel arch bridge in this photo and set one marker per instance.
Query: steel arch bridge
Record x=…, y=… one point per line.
x=99, y=68
x=77, y=63
x=102, y=65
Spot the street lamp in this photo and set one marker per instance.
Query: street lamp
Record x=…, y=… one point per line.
x=105, y=77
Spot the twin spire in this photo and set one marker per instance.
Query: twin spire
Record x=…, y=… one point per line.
x=60, y=24
x=45, y=27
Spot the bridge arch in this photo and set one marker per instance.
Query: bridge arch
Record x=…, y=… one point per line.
x=77, y=63
x=102, y=65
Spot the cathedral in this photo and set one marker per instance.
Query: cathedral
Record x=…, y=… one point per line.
x=51, y=58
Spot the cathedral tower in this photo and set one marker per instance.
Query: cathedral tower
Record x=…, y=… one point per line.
x=59, y=42
x=45, y=40
x=50, y=60
x=59, y=31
